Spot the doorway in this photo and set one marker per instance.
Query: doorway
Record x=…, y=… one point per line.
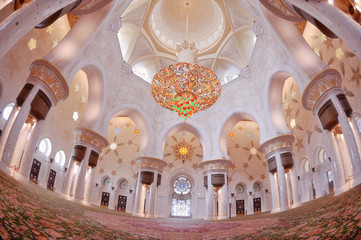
x=105, y=199
x=35, y=169
x=51, y=180
x=257, y=204
x=240, y=207
x=122, y=203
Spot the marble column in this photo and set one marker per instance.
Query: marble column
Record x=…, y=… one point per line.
x=325, y=93
x=44, y=80
x=80, y=179
x=282, y=185
x=295, y=192
x=14, y=132
x=210, y=201
x=27, y=159
x=210, y=167
x=156, y=166
x=139, y=198
x=273, y=149
x=69, y=177
x=94, y=143
x=89, y=184
x=274, y=193
x=223, y=200
x=152, y=197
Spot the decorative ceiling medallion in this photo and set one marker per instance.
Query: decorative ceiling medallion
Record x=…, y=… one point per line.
x=183, y=151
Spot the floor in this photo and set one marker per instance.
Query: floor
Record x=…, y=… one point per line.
x=28, y=211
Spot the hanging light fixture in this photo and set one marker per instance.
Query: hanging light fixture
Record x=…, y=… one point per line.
x=185, y=87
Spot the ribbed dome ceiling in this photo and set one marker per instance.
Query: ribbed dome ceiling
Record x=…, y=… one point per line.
x=206, y=23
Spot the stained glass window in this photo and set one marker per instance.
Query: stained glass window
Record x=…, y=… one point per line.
x=182, y=185
x=239, y=188
x=256, y=187
x=107, y=182
x=124, y=184
x=181, y=198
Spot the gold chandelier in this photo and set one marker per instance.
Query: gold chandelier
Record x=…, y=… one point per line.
x=186, y=88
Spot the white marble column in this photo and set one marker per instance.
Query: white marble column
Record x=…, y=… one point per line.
x=139, y=198
x=250, y=209
x=18, y=153
x=27, y=159
x=152, y=197
x=80, y=178
x=295, y=192
x=210, y=202
x=14, y=132
x=69, y=177
x=223, y=207
x=282, y=186
x=44, y=172
x=89, y=184
x=336, y=163
x=7, y=128
x=274, y=193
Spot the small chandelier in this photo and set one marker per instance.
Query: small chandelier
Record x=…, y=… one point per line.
x=185, y=87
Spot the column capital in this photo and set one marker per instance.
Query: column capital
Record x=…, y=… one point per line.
x=215, y=165
x=277, y=143
x=150, y=163
x=320, y=84
x=84, y=135
x=50, y=75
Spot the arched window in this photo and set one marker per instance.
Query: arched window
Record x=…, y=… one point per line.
x=124, y=184
x=60, y=157
x=322, y=155
x=239, y=189
x=45, y=146
x=181, y=198
x=306, y=166
x=107, y=182
x=256, y=187
x=7, y=111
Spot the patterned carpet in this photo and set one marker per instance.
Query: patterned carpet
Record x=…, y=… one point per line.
x=30, y=212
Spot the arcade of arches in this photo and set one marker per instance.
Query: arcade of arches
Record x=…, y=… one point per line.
x=78, y=117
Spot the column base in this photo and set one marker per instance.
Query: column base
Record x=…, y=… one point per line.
x=342, y=189
x=20, y=177
x=276, y=210
x=222, y=217
x=210, y=218
x=295, y=205
x=151, y=216
x=284, y=208
x=5, y=168
x=356, y=181
x=77, y=200
x=138, y=214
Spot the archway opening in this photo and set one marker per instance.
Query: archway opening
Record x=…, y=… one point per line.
x=181, y=197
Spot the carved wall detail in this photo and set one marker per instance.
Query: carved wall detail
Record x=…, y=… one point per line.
x=319, y=85
x=283, y=141
x=47, y=73
x=149, y=162
x=219, y=164
x=279, y=8
x=89, y=136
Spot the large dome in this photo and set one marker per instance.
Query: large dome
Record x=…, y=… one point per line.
x=205, y=18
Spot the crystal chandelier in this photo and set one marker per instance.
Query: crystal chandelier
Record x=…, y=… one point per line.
x=185, y=87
